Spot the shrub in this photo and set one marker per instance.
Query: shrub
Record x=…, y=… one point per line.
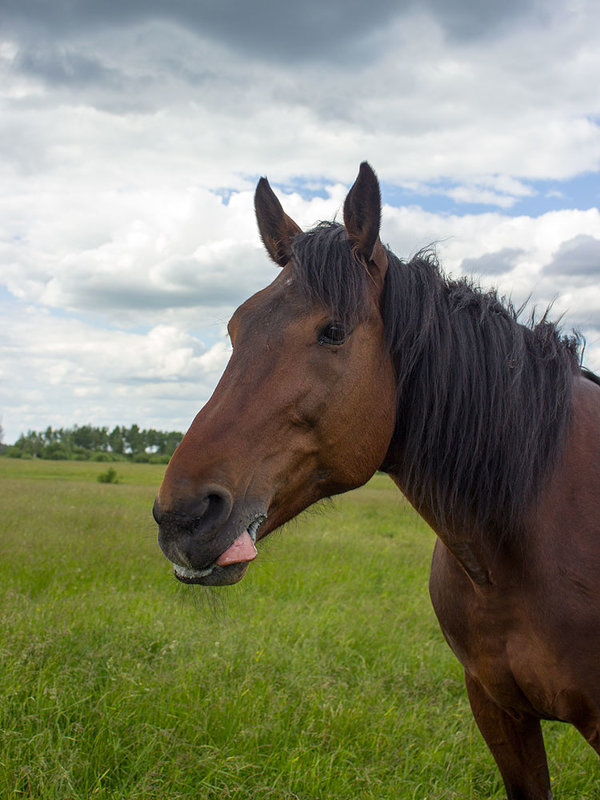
x=157, y=459
x=14, y=452
x=110, y=476
x=101, y=456
x=55, y=452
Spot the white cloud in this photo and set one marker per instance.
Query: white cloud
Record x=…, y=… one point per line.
x=534, y=243
x=66, y=371
x=100, y=372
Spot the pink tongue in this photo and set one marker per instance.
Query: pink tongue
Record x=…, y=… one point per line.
x=241, y=550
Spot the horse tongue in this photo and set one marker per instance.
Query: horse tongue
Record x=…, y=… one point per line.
x=241, y=550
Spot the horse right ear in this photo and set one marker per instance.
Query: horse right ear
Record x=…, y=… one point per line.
x=362, y=218
x=276, y=229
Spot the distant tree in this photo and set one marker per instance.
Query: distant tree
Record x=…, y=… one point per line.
x=89, y=441
x=171, y=441
x=66, y=438
x=116, y=440
x=27, y=443
x=56, y=452
x=101, y=439
x=135, y=440
x=151, y=438
x=83, y=437
x=50, y=436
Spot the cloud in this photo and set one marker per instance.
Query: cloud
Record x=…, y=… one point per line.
x=60, y=367
x=577, y=257
x=135, y=256
x=506, y=253
x=421, y=107
x=74, y=371
x=270, y=30
x=64, y=67
x=493, y=263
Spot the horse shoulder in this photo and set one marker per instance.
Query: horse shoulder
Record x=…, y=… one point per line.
x=531, y=636
x=479, y=622
x=565, y=526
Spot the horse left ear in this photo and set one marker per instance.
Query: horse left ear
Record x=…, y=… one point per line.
x=362, y=220
x=276, y=229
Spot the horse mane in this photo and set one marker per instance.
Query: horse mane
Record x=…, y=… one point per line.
x=483, y=400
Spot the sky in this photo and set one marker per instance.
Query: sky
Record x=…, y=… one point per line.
x=132, y=135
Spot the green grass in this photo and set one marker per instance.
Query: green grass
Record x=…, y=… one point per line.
x=321, y=676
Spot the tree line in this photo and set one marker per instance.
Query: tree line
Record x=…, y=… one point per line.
x=98, y=443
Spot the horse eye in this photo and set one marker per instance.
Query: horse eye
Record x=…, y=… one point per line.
x=333, y=333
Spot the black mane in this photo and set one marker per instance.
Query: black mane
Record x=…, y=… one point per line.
x=483, y=400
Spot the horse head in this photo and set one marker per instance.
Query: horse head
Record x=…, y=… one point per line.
x=306, y=406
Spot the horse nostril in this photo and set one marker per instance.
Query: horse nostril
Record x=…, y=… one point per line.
x=203, y=513
x=189, y=527
x=213, y=509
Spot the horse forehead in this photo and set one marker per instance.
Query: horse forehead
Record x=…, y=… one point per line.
x=276, y=306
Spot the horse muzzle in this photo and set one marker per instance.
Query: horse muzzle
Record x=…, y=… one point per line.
x=210, y=539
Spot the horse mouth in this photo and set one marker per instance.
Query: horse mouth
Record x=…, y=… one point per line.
x=231, y=565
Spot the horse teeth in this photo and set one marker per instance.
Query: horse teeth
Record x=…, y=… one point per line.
x=254, y=526
x=184, y=572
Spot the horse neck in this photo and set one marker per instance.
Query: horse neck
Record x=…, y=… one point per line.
x=472, y=551
x=483, y=404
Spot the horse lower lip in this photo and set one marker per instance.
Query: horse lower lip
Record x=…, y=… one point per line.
x=187, y=575
x=190, y=575
x=216, y=576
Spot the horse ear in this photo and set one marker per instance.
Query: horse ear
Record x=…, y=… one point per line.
x=362, y=219
x=276, y=229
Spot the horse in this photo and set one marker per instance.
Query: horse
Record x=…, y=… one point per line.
x=352, y=361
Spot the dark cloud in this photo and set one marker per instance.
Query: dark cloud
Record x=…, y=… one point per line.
x=578, y=257
x=207, y=290
x=65, y=67
x=268, y=29
x=492, y=263
x=106, y=299
x=73, y=74
x=469, y=19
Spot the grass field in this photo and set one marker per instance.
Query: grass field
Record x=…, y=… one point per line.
x=321, y=676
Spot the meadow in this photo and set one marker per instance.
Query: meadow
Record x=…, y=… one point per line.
x=321, y=676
